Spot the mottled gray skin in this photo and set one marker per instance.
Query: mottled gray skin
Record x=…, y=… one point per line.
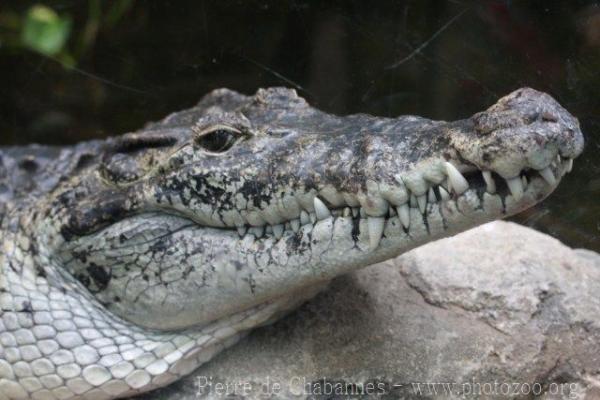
x=126, y=263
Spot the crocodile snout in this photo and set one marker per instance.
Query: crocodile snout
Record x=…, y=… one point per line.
x=526, y=129
x=560, y=129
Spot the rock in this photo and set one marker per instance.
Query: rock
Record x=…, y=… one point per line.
x=497, y=312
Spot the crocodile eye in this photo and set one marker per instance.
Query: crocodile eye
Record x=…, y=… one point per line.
x=218, y=139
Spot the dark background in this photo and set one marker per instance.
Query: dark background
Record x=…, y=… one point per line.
x=438, y=59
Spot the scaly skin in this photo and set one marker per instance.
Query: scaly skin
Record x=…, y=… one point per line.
x=125, y=264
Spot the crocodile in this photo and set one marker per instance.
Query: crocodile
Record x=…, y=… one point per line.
x=126, y=263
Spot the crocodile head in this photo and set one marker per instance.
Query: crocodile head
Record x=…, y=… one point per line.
x=243, y=199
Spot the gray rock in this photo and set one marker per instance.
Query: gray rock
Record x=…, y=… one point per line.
x=500, y=311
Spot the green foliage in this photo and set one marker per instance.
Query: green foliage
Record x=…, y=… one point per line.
x=45, y=31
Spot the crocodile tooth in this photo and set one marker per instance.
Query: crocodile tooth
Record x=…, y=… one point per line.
x=242, y=230
x=355, y=211
x=431, y=196
x=271, y=215
x=395, y=194
x=548, y=176
x=422, y=202
x=257, y=231
x=446, y=185
x=392, y=212
x=415, y=183
x=255, y=219
x=278, y=230
x=321, y=209
x=332, y=196
x=288, y=206
x=351, y=199
x=346, y=212
x=313, y=217
x=444, y=194
x=489, y=182
x=456, y=179
x=304, y=218
x=562, y=169
x=362, y=212
x=516, y=187
x=524, y=181
x=295, y=224
x=373, y=204
x=569, y=165
x=376, y=225
x=404, y=214
x=413, y=201
x=269, y=229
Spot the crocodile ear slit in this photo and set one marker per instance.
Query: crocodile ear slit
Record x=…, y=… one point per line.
x=121, y=162
x=138, y=141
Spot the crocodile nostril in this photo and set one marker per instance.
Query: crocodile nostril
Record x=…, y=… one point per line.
x=549, y=117
x=531, y=117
